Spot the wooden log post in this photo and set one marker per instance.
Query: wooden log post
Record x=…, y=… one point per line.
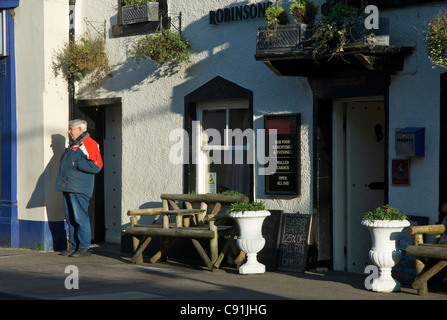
x=422, y=289
x=165, y=217
x=138, y=256
x=135, y=242
x=202, y=253
x=214, y=243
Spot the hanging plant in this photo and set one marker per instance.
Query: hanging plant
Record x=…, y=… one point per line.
x=333, y=32
x=165, y=47
x=436, y=40
x=85, y=56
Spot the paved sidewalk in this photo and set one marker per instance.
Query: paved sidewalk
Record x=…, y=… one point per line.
x=108, y=275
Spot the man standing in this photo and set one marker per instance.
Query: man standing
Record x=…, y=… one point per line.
x=79, y=164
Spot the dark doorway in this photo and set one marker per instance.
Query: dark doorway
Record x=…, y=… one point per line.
x=94, y=112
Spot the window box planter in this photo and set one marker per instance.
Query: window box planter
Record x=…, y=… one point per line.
x=145, y=12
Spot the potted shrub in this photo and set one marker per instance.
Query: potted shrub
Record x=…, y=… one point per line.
x=277, y=33
x=135, y=11
x=84, y=56
x=385, y=224
x=436, y=40
x=304, y=11
x=165, y=47
x=250, y=217
x=275, y=16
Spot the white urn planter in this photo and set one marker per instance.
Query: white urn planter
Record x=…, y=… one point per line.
x=384, y=252
x=250, y=238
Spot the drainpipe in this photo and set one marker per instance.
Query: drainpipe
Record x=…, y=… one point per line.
x=71, y=37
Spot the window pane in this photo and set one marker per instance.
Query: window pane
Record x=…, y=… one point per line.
x=214, y=119
x=232, y=176
x=239, y=119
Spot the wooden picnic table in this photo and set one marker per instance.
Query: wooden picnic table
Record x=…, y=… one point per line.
x=196, y=216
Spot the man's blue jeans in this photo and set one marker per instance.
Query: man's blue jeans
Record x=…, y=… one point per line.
x=76, y=215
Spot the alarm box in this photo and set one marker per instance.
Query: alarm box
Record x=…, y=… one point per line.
x=410, y=142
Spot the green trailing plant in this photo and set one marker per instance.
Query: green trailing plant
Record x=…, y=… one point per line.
x=333, y=32
x=304, y=11
x=165, y=47
x=385, y=212
x=436, y=40
x=85, y=55
x=247, y=206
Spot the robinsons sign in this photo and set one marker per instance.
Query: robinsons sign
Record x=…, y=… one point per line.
x=237, y=13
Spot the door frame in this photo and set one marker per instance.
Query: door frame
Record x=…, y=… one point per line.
x=339, y=173
x=325, y=89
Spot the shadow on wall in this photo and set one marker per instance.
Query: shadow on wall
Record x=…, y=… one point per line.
x=44, y=195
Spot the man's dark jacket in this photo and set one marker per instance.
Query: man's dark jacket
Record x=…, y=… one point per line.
x=79, y=164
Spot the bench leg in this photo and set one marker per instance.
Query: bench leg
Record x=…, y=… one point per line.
x=421, y=281
x=423, y=288
x=138, y=256
x=202, y=253
x=225, y=249
x=240, y=259
x=163, y=253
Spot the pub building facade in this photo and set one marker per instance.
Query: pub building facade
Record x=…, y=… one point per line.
x=336, y=122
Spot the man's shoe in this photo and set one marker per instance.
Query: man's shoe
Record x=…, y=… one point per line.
x=67, y=252
x=81, y=253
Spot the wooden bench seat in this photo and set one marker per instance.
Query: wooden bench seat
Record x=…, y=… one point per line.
x=201, y=218
x=424, y=253
x=157, y=230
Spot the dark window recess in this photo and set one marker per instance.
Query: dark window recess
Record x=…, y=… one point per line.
x=122, y=30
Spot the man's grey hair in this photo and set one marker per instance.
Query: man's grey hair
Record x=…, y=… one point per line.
x=78, y=123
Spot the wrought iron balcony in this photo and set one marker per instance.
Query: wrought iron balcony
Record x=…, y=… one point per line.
x=287, y=51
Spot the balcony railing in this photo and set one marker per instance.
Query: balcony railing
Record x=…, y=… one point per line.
x=287, y=50
x=296, y=38
x=283, y=39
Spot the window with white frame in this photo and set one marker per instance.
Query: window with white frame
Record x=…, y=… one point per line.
x=225, y=151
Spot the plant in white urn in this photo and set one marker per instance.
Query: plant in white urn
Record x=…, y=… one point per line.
x=250, y=217
x=385, y=225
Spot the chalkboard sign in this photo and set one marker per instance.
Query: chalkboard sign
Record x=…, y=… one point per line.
x=405, y=270
x=293, y=245
x=270, y=231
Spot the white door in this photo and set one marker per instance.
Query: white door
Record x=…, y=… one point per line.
x=362, y=162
